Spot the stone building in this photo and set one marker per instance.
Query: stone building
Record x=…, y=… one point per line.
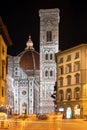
x=72, y=81
x=49, y=45
x=23, y=81
x=5, y=41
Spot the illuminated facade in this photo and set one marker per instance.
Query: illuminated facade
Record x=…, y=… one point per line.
x=72, y=81
x=5, y=41
x=23, y=81
x=30, y=88
x=49, y=45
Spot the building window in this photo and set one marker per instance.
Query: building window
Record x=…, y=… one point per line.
x=61, y=95
x=3, y=50
x=77, y=93
x=46, y=56
x=51, y=56
x=68, y=68
x=16, y=71
x=30, y=92
x=24, y=92
x=3, y=69
x=77, y=55
x=61, y=60
x=61, y=81
x=31, y=102
x=68, y=80
x=51, y=73
x=68, y=94
x=16, y=68
x=77, y=77
x=30, y=83
x=49, y=36
x=46, y=73
x=77, y=66
x=61, y=70
x=2, y=91
x=68, y=57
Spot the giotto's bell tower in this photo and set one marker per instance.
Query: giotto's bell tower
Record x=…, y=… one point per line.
x=49, y=45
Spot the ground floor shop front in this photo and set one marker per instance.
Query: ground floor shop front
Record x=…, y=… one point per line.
x=73, y=110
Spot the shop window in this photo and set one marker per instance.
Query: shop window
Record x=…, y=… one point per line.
x=77, y=111
x=69, y=113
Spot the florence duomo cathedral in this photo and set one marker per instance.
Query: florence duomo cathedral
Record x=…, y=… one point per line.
x=24, y=81
x=31, y=75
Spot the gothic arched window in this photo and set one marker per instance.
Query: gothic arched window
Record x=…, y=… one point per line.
x=46, y=73
x=49, y=36
x=51, y=56
x=51, y=73
x=46, y=56
x=68, y=80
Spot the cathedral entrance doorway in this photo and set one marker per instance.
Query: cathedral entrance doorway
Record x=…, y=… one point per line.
x=24, y=108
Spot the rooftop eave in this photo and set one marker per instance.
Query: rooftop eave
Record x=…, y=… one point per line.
x=4, y=33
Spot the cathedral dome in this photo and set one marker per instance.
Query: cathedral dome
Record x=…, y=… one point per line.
x=29, y=59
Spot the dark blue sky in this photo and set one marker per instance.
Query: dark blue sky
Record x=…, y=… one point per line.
x=22, y=19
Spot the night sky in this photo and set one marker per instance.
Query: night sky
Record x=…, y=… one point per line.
x=22, y=20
